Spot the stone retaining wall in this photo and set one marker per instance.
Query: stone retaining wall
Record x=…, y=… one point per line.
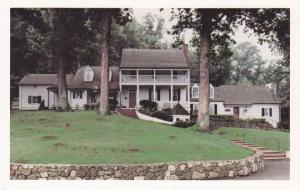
x=160, y=171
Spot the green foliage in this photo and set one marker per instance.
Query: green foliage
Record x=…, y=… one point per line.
x=162, y=115
x=248, y=65
x=87, y=138
x=148, y=105
x=228, y=118
x=112, y=104
x=184, y=124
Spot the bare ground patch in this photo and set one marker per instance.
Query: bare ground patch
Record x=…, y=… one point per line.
x=49, y=137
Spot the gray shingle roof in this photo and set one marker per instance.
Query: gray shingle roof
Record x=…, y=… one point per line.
x=73, y=81
x=238, y=94
x=179, y=110
x=153, y=58
x=42, y=79
x=78, y=80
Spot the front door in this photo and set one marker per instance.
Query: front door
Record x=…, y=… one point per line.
x=236, y=113
x=132, y=98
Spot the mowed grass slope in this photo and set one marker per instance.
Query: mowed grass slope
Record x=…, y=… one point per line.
x=87, y=138
x=264, y=138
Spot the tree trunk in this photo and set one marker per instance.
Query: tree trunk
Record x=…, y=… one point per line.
x=59, y=31
x=105, y=28
x=62, y=102
x=203, y=107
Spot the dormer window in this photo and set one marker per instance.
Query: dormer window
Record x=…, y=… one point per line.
x=211, y=91
x=195, y=91
x=88, y=74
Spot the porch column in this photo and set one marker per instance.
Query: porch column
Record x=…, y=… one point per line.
x=188, y=89
x=172, y=94
x=120, y=94
x=137, y=96
x=154, y=92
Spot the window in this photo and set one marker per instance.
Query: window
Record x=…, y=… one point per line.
x=266, y=112
x=77, y=94
x=195, y=92
x=34, y=99
x=88, y=74
x=176, y=94
x=211, y=91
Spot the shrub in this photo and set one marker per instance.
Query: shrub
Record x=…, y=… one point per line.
x=228, y=118
x=184, y=124
x=86, y=106
x=148, y=105
x=92, y=106
x=112, y=104
x=255, y=120
x=162, y=115
x=59, y=108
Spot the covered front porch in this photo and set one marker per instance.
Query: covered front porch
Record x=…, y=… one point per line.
x=166, y=96
x=78, y=98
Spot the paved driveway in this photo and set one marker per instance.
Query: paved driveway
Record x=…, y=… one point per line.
x=274, y=170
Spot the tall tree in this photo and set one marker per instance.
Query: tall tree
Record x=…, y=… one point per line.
x=218, y=24
x=105, y=29
x=106, y=17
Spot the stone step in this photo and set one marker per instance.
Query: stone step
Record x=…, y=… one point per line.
x=275, y=158
x=272, y=152
x=274, y=155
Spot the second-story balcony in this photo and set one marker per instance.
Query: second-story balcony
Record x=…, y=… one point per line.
x=157, y=77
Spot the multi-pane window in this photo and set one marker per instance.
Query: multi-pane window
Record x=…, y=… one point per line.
x=266, y=112
x=195, y=92
x=34, y=99
x=77, y=94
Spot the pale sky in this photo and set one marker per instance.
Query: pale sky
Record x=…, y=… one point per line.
x=239, y=36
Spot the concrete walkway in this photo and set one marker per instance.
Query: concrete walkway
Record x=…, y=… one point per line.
x=274, y=170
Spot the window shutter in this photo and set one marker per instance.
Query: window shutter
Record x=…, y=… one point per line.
x=158, y=94
x=270, y=112
x=178, y=94
x=216, y=109
x=169, y=94
x=262, y=112
x=80, y=94
x=73, y=94
x=150, y=92
x=29, y=99
x=39, y=99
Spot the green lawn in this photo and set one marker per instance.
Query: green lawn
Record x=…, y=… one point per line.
x=87, y=138
x=272, y=139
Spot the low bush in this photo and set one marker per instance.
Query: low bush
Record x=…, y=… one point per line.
x=86, y=106
x=148, y=105
x=184, y=124
x=254, y=120
x=162, y=115
x=222, y=117
x=112, y=104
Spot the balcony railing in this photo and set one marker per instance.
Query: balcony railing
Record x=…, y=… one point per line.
x=150, y=78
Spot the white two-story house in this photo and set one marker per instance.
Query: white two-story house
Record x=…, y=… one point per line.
x=160, y=75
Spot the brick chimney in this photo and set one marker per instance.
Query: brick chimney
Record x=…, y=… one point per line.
x=185, y=49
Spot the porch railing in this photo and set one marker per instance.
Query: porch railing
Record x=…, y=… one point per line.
x=151, y=78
